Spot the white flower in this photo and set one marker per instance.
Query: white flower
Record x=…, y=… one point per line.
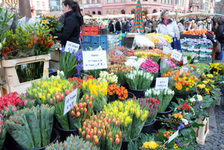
x=192, y=100
x=199, y=98
x=185, y=121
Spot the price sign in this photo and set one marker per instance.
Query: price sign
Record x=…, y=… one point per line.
x=176, y=55
x=173, y=136
x=193, y=55
x=184, y=69
x=93, y=60
x=71, y=47
x=162, y=83
x=70, y=101
x=99, y=49
x=166, y=50
x=185, y=60
x=118, y=52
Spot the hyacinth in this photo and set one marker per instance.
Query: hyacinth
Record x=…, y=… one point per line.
x=150, y=66
x=103, y=131
x=131, y=115
x=72, y=142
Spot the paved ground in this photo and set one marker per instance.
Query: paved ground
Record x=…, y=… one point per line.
x=215, y=138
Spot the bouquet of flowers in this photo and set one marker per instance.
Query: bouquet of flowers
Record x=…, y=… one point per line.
x=120, y=71
x=155, y=54
x=206, y=85
x=52, y=91
x=109, y=77
x=217, y=68
x=31, y=128
x=2, y=132
x=163, y=95
x=150, y=145
x=51, y=22
x=70, y=63
x=134, y=62
x=102, y=130
x=139, y=80
x=81, y=111
x=131, y=115
x=99, y=90
x=167, y=66
x=117, y=92
x=150, y=104
x=77, y=82
x=72, y=143
x=150, y=66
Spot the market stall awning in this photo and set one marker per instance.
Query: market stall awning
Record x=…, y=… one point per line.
x=138, y=21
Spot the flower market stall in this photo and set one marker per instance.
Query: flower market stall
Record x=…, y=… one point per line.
x=120, y=99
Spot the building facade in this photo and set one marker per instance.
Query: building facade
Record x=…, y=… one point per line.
x=104, y=7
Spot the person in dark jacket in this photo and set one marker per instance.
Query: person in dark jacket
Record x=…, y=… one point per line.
x=73, y=20
x=118, y=27
x=111, y=26
x=128, y=26
x=219, y=32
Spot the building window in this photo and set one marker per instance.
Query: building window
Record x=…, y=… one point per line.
x=93, y=12
x=98, y=1
x=154, y=0
x=115, y=1
x=133, y=0
x=176, y=1
x=122, y=11
x=168, y=1
x=171, y=1
x=133, y=11
x=164, y=1
x=99, y=12
x=161, y=1
x=108, y=1
x=145, y=0
x=122, y=1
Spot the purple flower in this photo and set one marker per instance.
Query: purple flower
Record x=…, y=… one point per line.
x=79, y=67
x=62, y=50
x=180, y=127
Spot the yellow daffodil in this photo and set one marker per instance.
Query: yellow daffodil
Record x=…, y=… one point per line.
x=150, y=145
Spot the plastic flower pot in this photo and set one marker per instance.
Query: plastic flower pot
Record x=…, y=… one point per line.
x=63, y=133
x=11, y=144
x=149, y=127
x=138, y=93
x=125, y=143
x=130, y=95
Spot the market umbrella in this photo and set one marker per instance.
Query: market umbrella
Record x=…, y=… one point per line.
x=138, y=20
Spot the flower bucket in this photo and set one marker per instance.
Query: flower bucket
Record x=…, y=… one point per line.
x=125, y=143
x=184, y=95
x=138, y=93
x=11, y=144
x=158, y=124
x=148, y=128
x=131, y=95
x=63, y=133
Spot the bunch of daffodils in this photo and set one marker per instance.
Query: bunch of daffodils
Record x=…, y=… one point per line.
x=131, y=115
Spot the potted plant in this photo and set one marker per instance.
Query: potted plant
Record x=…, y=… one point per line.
x=139, y=81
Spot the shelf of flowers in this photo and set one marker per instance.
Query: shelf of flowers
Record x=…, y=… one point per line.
x=105, y=116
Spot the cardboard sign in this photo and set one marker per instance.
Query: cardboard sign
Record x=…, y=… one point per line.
x=176, y=55
x=185, y=60
x=184, y=69
x=162, y=83
x=173, y=136
x=71, y=47
x=93, y=60
x=70, y=101
x=166, y=50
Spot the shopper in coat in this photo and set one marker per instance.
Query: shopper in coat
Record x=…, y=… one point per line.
x=111, y=26
x=219, y=32
x=168, y=26
x=118, y=27
x=73, y=20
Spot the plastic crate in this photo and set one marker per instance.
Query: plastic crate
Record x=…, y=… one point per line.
x=90, y=30
x=95, y=40
x=104, y=48
x=86, y=39
x=11, y=76
x=103, y=39
x=103, y=31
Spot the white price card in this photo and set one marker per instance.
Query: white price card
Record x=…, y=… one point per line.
x=70, y=101
x=162, y=83
x=193, y=55
x=185, y=60
x=93, y=60
x=184, y=69
x=173, y=136
x=99, y=49
x=176, y=55
x=166, y=50
x=118, y=52
x=71, y=47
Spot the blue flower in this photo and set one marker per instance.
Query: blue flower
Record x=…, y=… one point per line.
x=178, y=142
x=62, y=50
x=79, y=67
x=180, y=127
x=169, y=118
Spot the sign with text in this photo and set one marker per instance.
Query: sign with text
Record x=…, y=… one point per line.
x=173, y=136
x=118, y=52
x=184, y=69
x=185, y=60
x=93, y=60
x=166, y=50
x=176, y=55
x=162, y=83
x=71, y=47
x=70, y=101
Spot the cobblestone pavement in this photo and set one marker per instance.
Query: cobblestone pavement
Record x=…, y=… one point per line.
x=215, y=138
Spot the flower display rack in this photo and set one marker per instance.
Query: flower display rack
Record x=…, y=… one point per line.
x=202, y=132
x=12, y=80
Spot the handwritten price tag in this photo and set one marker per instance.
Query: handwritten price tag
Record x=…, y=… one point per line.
x=162, y=83
x=70, y=101
x=166, y=50
x=184, y=69
x=173, y=136
x=71, y=47
x=176, y=55
x=185, y=60
x=93, y=60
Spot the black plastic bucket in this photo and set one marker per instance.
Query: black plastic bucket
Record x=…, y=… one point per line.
x=125, y=143
x=148, y=128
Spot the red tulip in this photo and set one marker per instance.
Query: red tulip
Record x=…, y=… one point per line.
x=72, y=113
x=117, y=141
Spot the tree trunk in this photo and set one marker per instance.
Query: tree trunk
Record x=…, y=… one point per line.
x=24, y=8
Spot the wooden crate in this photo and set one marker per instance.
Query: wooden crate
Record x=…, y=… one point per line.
x=12, y=80
x=202, y=132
